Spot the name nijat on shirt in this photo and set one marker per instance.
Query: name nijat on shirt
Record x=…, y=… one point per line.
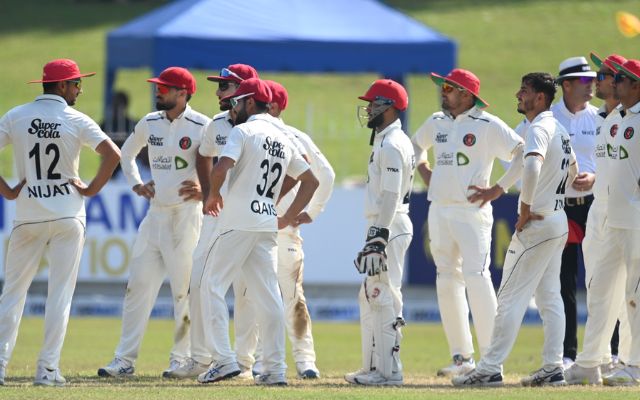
x=46, y=191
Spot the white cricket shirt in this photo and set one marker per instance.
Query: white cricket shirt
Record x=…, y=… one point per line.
x=172, y=148
x=391, y=166
x=215, y=136
x=605, y=132
x=547, y=137
x=47, y=135
x=464, y=149
x=263, y=155
x=623, y=210
x=582, y=130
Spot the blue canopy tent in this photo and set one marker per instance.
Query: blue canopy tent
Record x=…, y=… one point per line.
x=336, y=36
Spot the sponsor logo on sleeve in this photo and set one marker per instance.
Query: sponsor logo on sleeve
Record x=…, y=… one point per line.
x=221, y=140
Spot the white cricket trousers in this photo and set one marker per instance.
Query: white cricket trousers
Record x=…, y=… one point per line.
x=605, y=281
x=253, y=254
x=199, y=350
x=297, y=319
x=164, y=246
x=531, y=267
x=61, y=241
x=460, y=242
x=626, y=242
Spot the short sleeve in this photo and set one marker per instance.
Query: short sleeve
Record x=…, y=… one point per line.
x=5, y=128
x=504, y=140
x=233, y=148
x=298, y=165
x=208, y=145
x=536, y=140
x=423, y=138
x=91, y=134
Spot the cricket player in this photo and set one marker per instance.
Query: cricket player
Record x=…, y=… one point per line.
x=605, y=297
x=623, y=211
x=532, y=262
x=213, y=141
x=47, y=136
x=168, y=234
x=389, y=182
x=466, y=140
x=258, y=159
x=290, y=257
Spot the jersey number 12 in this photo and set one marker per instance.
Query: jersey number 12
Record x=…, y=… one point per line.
x=35, y=154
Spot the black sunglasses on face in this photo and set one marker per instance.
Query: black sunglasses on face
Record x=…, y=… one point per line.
x=224, y=85
x=619, y=77
x=603, y=75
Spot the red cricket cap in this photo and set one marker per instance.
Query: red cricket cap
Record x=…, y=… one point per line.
x=235, y=72
x=465, y=79
x=176, y=77
x=389, y=90
x=61, y=69
x=279, y=94
x=598, y=61
x=631, y=68
x=252, y=87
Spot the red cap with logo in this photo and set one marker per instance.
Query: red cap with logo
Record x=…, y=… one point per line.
x=607, y=61
x=61, y=69
x=235, y=73
x=387, y=89
x=463, y=79
x=177, y=77
x=253, y=87
x=279, y=94
x=631, y=68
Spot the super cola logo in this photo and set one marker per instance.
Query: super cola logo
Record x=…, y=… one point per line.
x=44, y=130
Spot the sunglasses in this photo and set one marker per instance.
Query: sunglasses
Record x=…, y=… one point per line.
x=76, y=82
x=603, y=75
x=236, y=100
x=164, y=89
x=226, y=72
x=583, y=79
x=448, y=88
x=223, y=86
x=619, y=77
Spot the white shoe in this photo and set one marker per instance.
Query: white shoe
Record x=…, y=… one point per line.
x=475, y=378
x=627, y=376
x=217, y=372
x=351, y=376
x=48, y=377
x=577, y=375
x=189, y=369
x=271, y=380
x=246, y=373
x=375, y=378
x=117, y=368
x=173, y=365
x=307, y=370
x=550, y=375
x=567, y=362
x=258, y=368
x=460, y=366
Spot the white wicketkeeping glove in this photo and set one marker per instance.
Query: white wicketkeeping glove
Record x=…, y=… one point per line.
x=373, y=258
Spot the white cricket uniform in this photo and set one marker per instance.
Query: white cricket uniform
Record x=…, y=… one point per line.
x=290, y=264
x=246, y=243
x=603, y=264
x=459, y=231
x=532, y=262
x=214, y=139
x=623, y=215
x=169, y=232
x=46, y=136
x=390, y=169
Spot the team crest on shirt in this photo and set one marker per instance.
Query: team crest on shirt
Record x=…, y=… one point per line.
x=614, y=130
x=469, y=139
x=628, y=133
x=185, y=142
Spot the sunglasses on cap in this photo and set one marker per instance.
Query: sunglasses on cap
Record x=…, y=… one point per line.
x=603, y=75
x=226, y=72
x=448, y=88
x=164, y=89
x=235, y=100
x=619, y=77
x=76, y=82
x=223, y=86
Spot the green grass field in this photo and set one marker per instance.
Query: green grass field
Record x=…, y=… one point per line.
x=500, y=40
x=90, y=343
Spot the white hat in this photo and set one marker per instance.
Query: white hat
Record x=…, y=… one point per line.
x=575, y=67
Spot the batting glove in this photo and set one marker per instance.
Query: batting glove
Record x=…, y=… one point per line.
x=373, y=258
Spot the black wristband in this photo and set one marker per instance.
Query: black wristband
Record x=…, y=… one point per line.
x=375, y=232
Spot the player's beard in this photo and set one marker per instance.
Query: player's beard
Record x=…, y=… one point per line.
x=525, y=106
x=225, y=105
x=375, y=121
x=241, y=117
x=167, y=105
